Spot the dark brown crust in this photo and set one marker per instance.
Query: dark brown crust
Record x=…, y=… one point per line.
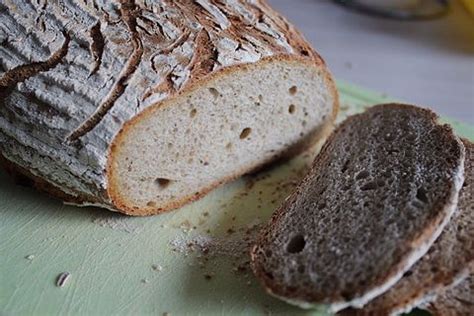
x=126, y=207
x=302, y=295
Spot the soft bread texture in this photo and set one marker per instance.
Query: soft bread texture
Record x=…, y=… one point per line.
x=196, y=92
x=458, y=301
x=378, y=195
x=449, y=260
x=225, y=127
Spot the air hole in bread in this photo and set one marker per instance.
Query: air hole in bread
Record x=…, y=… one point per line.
x=260, y=98
x=268, y=253
x=410, y=137
x=269, y=275
x=162, y=183
x=421, y=195
x=245, y=133
x=151, y=204
x=193, y=113
x=389, y=137
x=369, y=186
x=296, y=244
x=292, y=108
x=214, y=92
x=390, y=221
x=392, y=151
x=293, y=90
x=347, y=295
x=362, y=175
x=291, y=289
x=417, y=204
x=301, y=268
x=345, y=166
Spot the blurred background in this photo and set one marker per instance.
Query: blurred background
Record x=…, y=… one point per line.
x=425, y=62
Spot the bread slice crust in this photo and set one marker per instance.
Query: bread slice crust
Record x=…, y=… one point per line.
x=414, y=247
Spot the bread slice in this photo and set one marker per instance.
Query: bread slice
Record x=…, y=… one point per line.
x=221, y=129
x=448, y=261
x=378, y=195
x=458, y=301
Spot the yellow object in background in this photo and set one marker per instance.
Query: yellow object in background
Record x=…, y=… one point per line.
x=469, y=5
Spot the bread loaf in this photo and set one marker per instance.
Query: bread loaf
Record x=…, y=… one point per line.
x=378, y=195
x=142, y=106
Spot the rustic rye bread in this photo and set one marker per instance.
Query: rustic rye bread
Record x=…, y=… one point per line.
x=449, y=260
x=143, y=106
x=458, y=301
x=378, y=195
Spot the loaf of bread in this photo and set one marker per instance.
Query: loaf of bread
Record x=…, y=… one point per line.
x=378, y=195
x=142, y=106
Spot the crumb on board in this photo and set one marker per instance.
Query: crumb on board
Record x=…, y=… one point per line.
x=235, y=241
x=30, y=257
x=118, y=222
x=343, y=107
x=145, y=281
x=235, y=245
x=62, y=279
x=156, y=267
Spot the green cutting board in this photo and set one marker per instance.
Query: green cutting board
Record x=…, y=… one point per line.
x=192, y=261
